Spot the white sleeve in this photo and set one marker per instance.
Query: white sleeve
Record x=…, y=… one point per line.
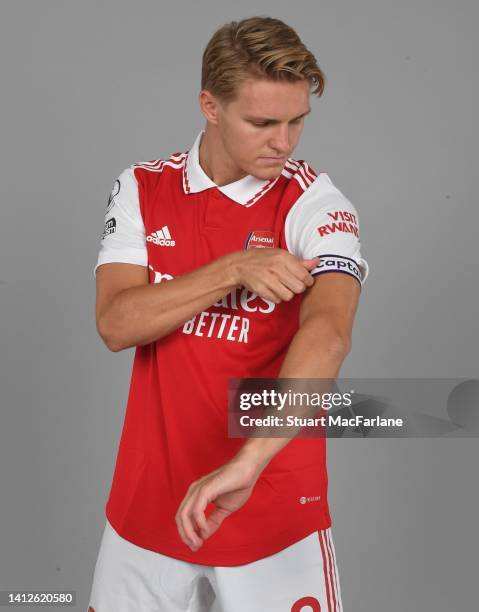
x=123, y=237
x=323, y=223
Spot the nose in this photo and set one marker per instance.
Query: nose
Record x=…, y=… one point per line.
x=280, y=139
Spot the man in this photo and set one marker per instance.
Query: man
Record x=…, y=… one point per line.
x=194, y=518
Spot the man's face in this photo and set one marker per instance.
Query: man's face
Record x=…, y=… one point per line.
x=262, y=126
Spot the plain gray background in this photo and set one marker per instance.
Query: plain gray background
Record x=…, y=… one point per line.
x=90, y=87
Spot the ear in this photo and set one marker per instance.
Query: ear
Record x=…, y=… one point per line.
x=209, y=105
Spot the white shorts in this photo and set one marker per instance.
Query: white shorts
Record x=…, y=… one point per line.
x=300, y=578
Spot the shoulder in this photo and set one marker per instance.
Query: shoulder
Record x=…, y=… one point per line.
x=156, y=166
x=299, y=173
x=311, y=188
x=320, y=195
x=142, y=173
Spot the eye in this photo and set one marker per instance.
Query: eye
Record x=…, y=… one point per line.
x=266, y=123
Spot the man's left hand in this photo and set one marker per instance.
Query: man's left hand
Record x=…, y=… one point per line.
x=228, y=488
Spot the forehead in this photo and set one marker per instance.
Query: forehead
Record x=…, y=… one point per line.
x=271, y=98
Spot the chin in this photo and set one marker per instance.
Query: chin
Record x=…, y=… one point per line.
x=266, y=174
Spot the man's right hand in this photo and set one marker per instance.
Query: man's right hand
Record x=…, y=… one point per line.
x=131, y=311
x=273, y=274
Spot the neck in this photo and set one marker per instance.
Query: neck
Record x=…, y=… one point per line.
x=215, y=161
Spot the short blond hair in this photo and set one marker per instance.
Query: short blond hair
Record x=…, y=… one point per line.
x=259, y=47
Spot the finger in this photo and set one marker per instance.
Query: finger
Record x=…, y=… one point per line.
x=299, y=270
x=292, y=281
x=186, y=498
x=283, y=292
x=207, y=493
x=267, y=294
x=267, y=290
x=273, y=285
x=198, y=513
x=195, y=540
x=184, y=523
x=215, y=519
x=199, y=503
x=310, y=263
x=181, y=531
x=184, y=519
x=306, y=278
x=180, y=523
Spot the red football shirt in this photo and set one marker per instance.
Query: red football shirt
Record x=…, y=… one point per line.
x=169, y=215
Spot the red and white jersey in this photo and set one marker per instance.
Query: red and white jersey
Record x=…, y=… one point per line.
x=169, y=215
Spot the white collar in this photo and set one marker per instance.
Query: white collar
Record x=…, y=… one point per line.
x=245, y=191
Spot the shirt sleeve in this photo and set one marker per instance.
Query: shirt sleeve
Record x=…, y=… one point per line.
x=123, y=237
x=324, y=223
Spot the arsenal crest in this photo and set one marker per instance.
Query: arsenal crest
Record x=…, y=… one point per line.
x=261, y=239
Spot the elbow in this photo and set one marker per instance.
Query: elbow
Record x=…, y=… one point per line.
x=336, y=346
x=340, y=345
x=114, y=348
x=343, y=342
x=334, y=337
x=110, y=339
x=348, y=345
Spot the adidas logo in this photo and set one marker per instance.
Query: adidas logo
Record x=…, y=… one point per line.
x=161, y=237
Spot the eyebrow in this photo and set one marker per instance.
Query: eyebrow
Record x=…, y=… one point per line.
x=270, y=120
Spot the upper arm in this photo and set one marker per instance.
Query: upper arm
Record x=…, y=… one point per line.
x=333, y=301
x=324, y=223
x=122, y=259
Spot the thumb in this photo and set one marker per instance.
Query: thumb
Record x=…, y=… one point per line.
x=310, y=263
x=214, y=521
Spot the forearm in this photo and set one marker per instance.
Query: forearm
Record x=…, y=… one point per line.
x=140, y=315
x=316, y=351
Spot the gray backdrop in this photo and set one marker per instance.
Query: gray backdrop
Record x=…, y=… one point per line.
x=89, y=87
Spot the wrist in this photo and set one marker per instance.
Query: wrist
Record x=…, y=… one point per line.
x=256, y=453
x=232, y=269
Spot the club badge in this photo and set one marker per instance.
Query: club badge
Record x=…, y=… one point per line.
x=260, y=239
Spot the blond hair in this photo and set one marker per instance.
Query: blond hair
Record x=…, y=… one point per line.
x=258, y=47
